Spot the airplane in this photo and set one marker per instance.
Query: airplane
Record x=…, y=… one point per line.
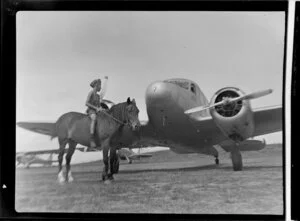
x=129, y=155
x=181, y=118
x=31, y=157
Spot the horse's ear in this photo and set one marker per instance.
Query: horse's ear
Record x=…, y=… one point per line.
x=133, y=101
x=128, y=100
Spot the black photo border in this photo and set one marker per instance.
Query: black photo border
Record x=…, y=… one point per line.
x=9, y=9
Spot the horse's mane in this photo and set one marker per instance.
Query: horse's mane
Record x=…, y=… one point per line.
x=119, y=111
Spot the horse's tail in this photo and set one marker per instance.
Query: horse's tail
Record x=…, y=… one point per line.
x=54, y=132
x=53, y=136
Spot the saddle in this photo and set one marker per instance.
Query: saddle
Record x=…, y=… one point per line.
x=103, y=106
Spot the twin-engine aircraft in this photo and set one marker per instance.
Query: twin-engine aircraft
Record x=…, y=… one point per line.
x=181, y=118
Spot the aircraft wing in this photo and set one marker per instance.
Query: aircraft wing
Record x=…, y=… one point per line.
x=267, y=120
x=39, y=127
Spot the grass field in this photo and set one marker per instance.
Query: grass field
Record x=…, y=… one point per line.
x=165, y=183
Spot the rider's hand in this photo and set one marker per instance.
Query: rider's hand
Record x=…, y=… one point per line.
x=106, y=77
x=98, y=109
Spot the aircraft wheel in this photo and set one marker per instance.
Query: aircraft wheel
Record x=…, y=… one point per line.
x=236, y=158
x=217, y=161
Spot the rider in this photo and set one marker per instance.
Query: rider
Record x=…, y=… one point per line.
x=93, y=102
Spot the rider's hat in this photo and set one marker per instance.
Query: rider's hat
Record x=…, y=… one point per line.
x=95, y=82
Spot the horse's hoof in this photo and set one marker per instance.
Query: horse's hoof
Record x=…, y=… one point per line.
x=61, y=181
x=107, y=182
x=60, y=178
x=70, y=178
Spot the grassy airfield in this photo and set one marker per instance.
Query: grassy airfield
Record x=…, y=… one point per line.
x=165, y=183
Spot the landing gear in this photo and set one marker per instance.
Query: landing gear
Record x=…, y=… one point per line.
x=236, y=158
x=217, y=161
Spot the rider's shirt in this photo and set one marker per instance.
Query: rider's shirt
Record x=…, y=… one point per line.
x=94, y=100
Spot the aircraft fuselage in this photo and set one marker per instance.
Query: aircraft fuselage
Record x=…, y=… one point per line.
x=166, y=102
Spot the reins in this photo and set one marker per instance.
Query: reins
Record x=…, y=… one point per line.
x=120, y=122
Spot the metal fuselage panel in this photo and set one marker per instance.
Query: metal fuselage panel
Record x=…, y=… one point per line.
x=166, y=102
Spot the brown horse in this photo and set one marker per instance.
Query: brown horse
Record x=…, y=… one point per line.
x=73, y=128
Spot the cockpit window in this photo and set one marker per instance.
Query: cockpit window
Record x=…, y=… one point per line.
x=193, y=88
x=183, y=84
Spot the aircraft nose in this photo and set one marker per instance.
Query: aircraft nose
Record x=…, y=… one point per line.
x=158, y=92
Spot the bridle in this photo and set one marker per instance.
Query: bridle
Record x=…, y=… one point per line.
x=118, y=121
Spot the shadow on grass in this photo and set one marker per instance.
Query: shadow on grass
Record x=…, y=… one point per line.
x=253, y=168
x=196, y=168
x=187, y=169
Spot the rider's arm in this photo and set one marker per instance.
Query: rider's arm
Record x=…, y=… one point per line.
x=87, y=103
x=103, y=88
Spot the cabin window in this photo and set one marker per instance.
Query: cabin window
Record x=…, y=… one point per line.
x=193, y=88
x=180, y=83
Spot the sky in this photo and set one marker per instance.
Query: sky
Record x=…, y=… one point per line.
x=60, y=53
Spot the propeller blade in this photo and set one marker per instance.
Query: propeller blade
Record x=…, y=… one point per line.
x=196, y=109
x=108, y=102
x=202, y=108
x=258, y=94
x=253, y=95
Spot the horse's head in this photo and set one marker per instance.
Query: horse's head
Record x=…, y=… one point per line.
x=132, y=115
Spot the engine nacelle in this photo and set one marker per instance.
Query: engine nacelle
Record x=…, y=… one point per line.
x=234, y=119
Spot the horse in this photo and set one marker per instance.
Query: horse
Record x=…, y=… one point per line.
x=73, y=128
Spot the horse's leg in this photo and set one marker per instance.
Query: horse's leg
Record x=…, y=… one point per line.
x=112, y=162
x=71, y=150
x=62, y=144
x=105, y=161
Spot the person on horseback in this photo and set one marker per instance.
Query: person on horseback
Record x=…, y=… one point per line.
x=93, y=102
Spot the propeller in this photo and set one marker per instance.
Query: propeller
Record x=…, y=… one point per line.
x=108, y=102
x=228, y=100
